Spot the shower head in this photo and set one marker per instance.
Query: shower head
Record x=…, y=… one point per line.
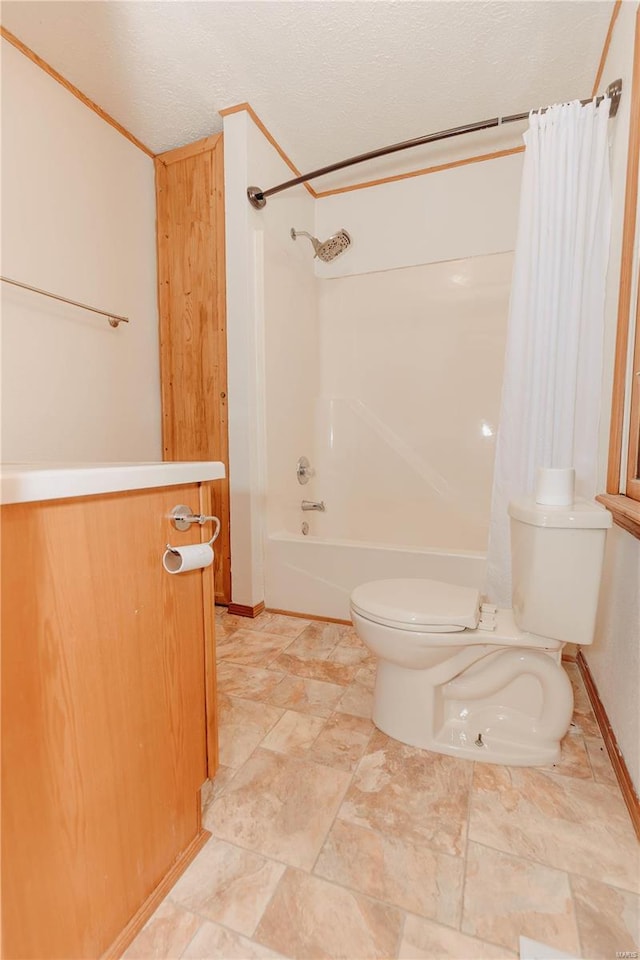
x=329, y=249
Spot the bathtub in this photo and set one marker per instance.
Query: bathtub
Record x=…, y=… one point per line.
x=316, y=576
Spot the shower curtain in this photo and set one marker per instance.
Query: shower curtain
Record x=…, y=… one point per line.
x=550, y=405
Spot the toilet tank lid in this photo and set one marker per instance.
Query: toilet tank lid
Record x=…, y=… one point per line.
x=581, y=515
x=419, y=603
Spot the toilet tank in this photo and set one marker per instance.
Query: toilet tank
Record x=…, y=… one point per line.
x=556, y=565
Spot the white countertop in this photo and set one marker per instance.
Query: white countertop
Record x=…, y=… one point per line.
x=26, y=482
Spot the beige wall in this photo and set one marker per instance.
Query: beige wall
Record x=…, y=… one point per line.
x=614, y=658
x=78, y=218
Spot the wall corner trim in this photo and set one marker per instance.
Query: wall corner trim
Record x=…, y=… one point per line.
x=247, y=108
x=620, y=768
x=605, y=48
x=53, y=73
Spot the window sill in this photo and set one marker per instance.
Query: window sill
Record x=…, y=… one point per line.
x=625, y=511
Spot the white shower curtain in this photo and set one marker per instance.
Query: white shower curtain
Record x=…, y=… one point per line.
x=550, y=406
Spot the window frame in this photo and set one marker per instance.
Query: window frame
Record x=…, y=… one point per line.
x=623, y=486
x=632, y=486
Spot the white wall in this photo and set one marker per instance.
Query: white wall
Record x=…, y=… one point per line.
x=614, y=659
x=78, y=219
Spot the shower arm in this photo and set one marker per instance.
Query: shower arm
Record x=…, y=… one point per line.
x=258, y=198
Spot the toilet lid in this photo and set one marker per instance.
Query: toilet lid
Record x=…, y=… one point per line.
x=428, y=605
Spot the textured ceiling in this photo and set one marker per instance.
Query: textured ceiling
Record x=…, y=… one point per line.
x=328, y=78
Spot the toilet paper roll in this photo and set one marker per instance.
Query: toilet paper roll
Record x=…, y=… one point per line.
x=194, y=557
x=555, y=486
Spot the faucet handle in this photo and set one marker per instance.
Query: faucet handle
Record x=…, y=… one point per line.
x=304, y=470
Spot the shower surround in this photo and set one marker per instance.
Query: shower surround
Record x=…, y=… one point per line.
x=400, y=402
x=383, y=367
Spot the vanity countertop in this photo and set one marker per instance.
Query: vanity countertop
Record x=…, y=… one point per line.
x=28, y=482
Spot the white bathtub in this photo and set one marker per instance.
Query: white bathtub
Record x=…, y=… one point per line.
x=315, y=576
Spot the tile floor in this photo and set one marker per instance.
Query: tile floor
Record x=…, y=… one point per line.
x=329, y=839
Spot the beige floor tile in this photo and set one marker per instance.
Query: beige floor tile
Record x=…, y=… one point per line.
x=425, y=940
x=220, y=781
x=165, y=935
x=405, y=873
x=315, y=669
x=206, y=793
x=600, y=762
x=351, y=654
x=294, y=733
x=329, y=921
x=583, y=720
x=215, y=788
x=608, y=919
x=574, y=761
x=307, y=696
x=226, y=624
x=564, y=822
x=342, y=741
x=252, y=648
x=229, y=885
x=283, y=626
x=316, y=641
x=279, y=806
x=410, y=794
x=349, y=636
x=506, y=896
x=366, y=675
x=241, y=726
x=213, y=942
x=357, y=699
x=250, y=683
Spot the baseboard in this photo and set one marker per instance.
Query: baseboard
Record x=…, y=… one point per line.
x=154, y=900
x=307, y=616
x=241, y=610
x=617, y=760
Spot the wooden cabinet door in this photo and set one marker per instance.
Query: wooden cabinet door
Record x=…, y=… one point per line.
x=193, y=339
x=103, y=716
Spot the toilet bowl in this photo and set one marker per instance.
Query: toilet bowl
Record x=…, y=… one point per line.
x=458, y=676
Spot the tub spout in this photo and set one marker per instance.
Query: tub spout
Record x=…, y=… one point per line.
x=313, y=505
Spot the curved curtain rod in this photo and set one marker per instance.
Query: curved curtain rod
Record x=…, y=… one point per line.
x=258, y=198
x=113, y=318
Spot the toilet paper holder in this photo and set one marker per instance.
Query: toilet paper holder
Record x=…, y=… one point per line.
x=182, y=517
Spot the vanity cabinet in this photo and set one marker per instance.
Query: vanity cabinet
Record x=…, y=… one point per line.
x=107, y=689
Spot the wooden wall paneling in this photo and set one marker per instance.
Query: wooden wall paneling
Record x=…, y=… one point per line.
x=103, y=717
x=192, y=305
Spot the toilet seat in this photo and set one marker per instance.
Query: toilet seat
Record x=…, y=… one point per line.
x=421, y=606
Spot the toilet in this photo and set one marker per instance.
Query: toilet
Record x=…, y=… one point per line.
x=458, y=676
